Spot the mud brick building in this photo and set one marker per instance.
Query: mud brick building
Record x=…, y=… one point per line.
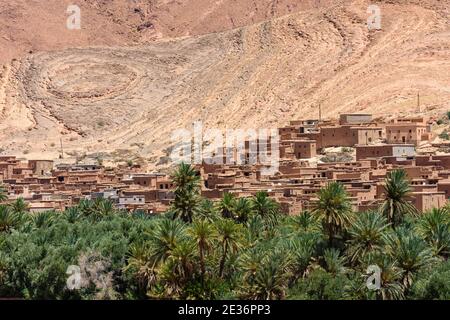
x=410, y=130
x=380, y=148
x=351, y=130
x=298, y=149
x=384, y=150
x=348, y=135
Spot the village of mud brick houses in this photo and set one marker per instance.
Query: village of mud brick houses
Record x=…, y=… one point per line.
x=356, y=150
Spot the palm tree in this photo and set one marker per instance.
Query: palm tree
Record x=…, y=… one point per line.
x=140, y=262
x=265, y=207
x=185, y=177
x=391, y=287
x=187, y=192
x=334, y=209
x=19, y=206
x=434, y=227
x=368, y=234
x=183, y=259
x=411, y=253
x=397, y=191
x=207, y=211
x=177, y=270
x=269, y=281
x=242, y=210
x=165, y=237
x=8, y=219
x=254, y=229
x=305, y=222
x=250, y=261
x=72, y=214
x=334, y=263
x=228, y=234
x=302, y=249
x=203, y=233
x=186, y=204
x=3, y=194
x=86, y=207
x=43, y=219
x=226, y=205
x=103, y=207
x=356, y=289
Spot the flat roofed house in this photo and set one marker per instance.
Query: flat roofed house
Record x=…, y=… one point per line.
x=41, y=167
x=305, y=149
x=348, y=136
x=355, y=118
x=407, y=131
x=134, y=199
x=425, y=201
x=384, y=150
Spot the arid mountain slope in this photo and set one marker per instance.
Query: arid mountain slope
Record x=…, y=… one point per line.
x=121, y=100
x=40, y=25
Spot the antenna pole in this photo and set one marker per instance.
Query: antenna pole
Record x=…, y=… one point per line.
x=418, y=101
x=320, y=112
x=62, y=151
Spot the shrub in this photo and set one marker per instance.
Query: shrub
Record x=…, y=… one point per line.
x=320, y=285
x=444, y=135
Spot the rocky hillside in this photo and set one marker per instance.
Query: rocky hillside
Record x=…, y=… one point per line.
x=271, y=62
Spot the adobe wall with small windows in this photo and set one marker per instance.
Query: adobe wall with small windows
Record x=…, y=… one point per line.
x=406, y=133
x=305, y=149
x=425, y=201
x=384, y=150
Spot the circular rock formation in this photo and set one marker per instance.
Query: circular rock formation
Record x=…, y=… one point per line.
x=90, y=80
x=260, y=76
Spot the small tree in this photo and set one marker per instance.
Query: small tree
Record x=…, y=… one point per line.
x=368, y=235
x=228, y=234
x=3, y=194
x=444, y=135
x=203, y=234
x=396, y=205
x=187, y=192
x=226, y=205
x=334, y=209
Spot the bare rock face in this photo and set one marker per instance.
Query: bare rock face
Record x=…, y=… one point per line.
x=41, y=25
x=116, y=85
